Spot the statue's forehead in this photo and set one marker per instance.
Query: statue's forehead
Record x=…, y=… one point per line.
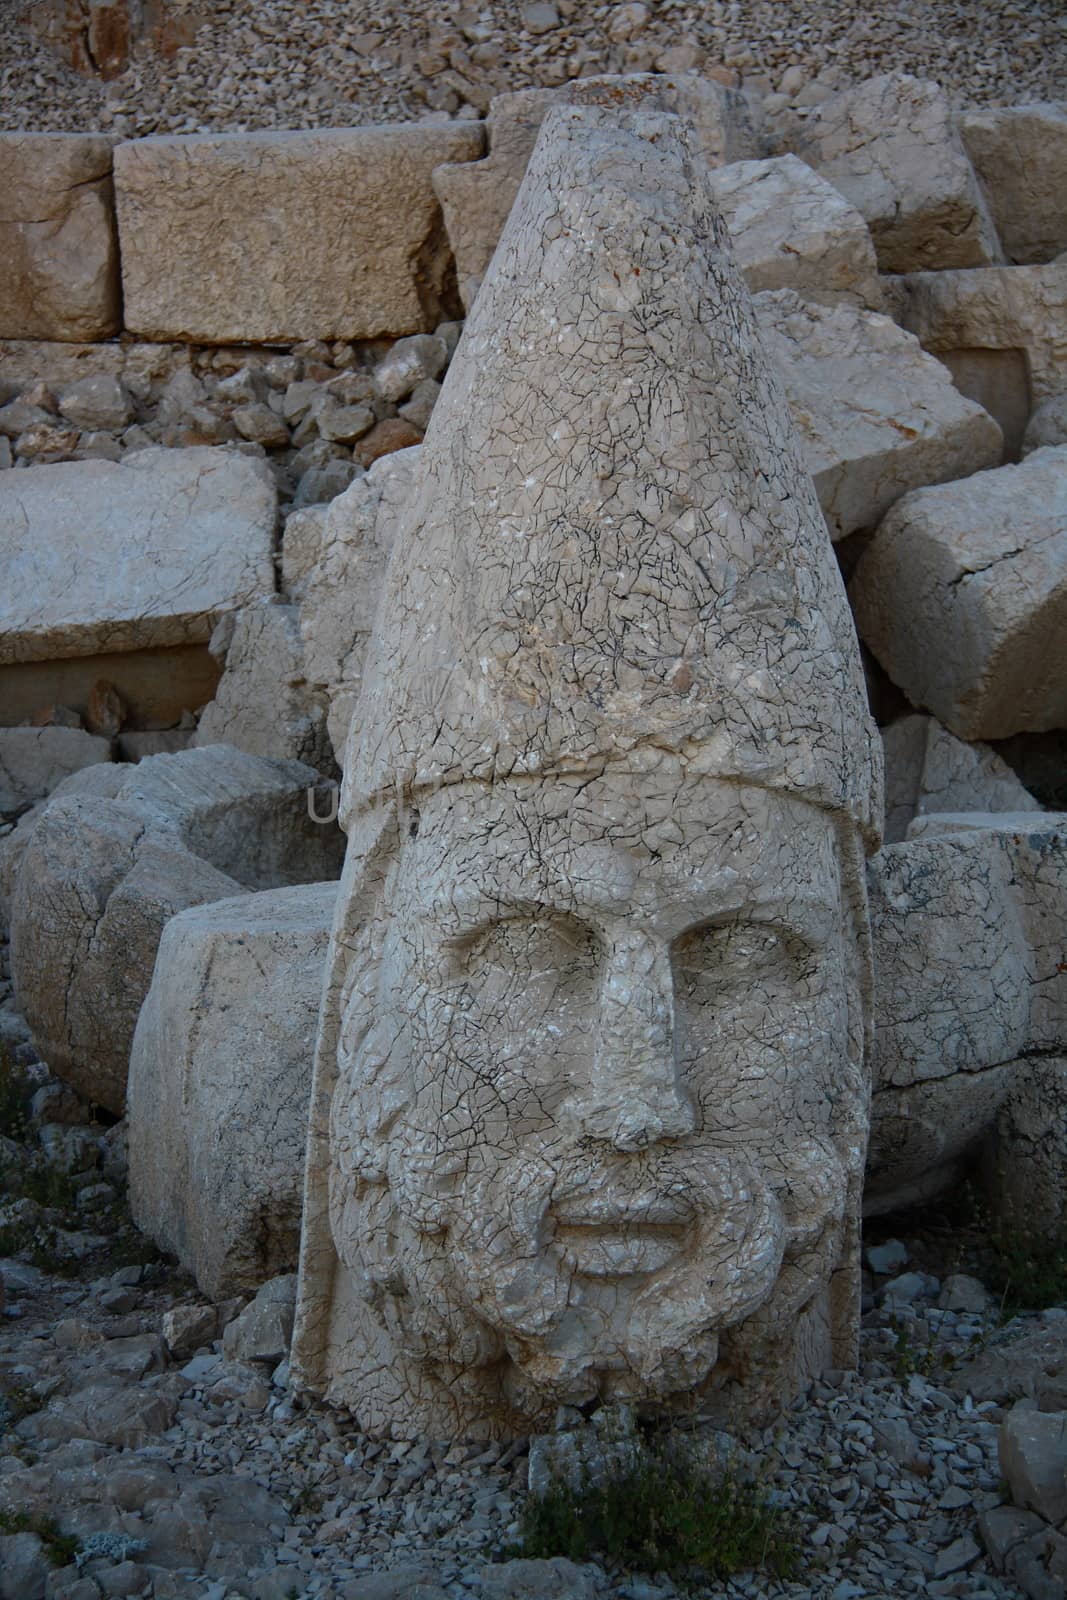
x=743, y=849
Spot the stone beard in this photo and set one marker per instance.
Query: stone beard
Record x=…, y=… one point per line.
x=599, y=1123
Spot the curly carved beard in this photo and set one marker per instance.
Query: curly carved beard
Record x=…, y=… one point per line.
x=522, y=1260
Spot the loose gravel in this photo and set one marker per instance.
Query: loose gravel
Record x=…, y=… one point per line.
x=330, y=63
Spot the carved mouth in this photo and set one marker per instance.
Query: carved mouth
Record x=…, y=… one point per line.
x=603, y=1235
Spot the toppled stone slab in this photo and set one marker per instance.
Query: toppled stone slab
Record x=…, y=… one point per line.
x=220, y=1076
x=335, y=563
x=476, y=197
x=1020, y=155
x=57, y=238
x=962, y=596
x=274, y=237
x=99, y=556
x=34, y=760
x=264, y=703
x=891, y=147
x=966, y=920
x=1001, y=331
x=98, y=873
x=927, y=769
x=791, y=229
x=875, y=415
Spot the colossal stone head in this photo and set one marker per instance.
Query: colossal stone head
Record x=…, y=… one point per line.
x=591, y=1090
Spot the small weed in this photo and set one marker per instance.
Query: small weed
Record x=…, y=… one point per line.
x=16, y=1093
x=660, y=1511
x=306, y=1502
x=909, y=1357
x=16, y=1403
x=60, y=1548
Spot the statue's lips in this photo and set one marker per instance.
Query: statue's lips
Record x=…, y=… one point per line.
x=606, y=1235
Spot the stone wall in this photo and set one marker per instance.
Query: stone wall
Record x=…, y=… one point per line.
x=229, y=238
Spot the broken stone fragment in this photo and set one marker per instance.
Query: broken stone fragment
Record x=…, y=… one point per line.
x=927, y=769
x=98, y=874
x=791, y=229
x=891, y=147
x=220, y=1077
x=962, y=597
x=57, y=238
x=1020, y=155
x=98, y=402
x=876, y=416
x=34, y=760
x=1033, y=1459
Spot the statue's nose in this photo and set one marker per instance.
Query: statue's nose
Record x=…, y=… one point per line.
x=633, y=1098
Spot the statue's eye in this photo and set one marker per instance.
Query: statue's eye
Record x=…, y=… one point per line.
x=543, y=949
x=721, y=956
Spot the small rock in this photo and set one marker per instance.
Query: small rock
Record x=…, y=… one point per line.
x=408, y=363
x=345, y=424
x=909, y=1287
x=392, y=434
x=260, y=424
x=962, y=1293
x=320, y=484
x=97, y=402
x=188, y=1328
x=24, y=1568
x=959, y=1554
x=105, y=712
x=45, y=443
x=419, y=408
x=887, y=1257
x=263, y=1329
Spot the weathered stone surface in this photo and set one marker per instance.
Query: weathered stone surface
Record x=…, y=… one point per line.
x=96, y=556
x=335, y=566
x=100, y=401
x=1020, y=155
x=34, y=760
x=791, y=229
x=612, y=708
x=1033, y=1458
x=274, y=237
x=264, y=703
x=476, y=197
x=966, y=920
x=927, y=769
x=1002, y=332
x=962, y=596
x=97, y=876
x=875, y=415
x=891, y=147
x=57, y=238
x=1048, y=425
x=220, y=1077
x=1030, y=1365
x=1026, y=1170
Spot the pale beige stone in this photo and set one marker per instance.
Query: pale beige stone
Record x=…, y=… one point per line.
x=264, y=703
x=962, y=596
x=927, y=769
x=891, y=147
x=60, y=277
x=791, y=229
x=589, y=1110
x=336, y=567
x=1020, y=155
x=220, y=1078
x=1016, y=312
x=875, y=415
x=102, y=556
x=272, y=237
x=102, y=868
x=1048, y=425
x=34, y=760
x=476, y=197
x=970, y=991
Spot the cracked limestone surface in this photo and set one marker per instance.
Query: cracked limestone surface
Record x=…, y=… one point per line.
x=962, y=597
x=928, y=769
x=590, y=1104
x=477, y=196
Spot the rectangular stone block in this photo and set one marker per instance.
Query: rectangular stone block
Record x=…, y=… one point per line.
x=60, y=277
x=271, y=237
x=100, y=556
x=1020, y=155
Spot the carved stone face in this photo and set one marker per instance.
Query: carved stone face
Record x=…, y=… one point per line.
x=599, y=1094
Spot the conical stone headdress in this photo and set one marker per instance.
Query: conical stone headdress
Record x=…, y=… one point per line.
x=613, y=543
